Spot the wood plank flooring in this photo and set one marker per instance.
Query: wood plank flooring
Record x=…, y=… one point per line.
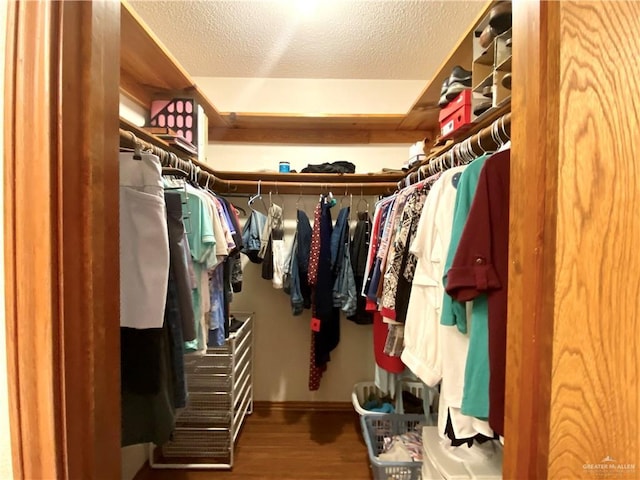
x=289, y=445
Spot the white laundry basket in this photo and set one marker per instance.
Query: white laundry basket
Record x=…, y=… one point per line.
x=362, y=391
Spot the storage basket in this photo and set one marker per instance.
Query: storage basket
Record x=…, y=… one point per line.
x=363, y=390
x=375, y=428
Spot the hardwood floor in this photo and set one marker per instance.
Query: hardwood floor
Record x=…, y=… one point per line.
x=290, y=445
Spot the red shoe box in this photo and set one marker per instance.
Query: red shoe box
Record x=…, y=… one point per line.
x=456, y=115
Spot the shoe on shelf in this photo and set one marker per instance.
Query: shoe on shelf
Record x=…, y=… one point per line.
x=506, y=81
x=487, y=36
x=454, y=89
x=500, y=17
x=487, y=91
x=443, y=91
x=482, y=107
x=460, y=75
x=508, y=43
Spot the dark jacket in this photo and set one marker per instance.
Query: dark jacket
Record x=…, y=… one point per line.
x=299, y=266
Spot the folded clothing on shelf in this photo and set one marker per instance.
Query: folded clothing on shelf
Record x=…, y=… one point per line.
x=335, y=167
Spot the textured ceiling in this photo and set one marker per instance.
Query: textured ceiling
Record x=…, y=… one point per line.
x=340, y=39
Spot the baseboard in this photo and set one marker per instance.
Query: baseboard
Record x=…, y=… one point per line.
x=304, y=406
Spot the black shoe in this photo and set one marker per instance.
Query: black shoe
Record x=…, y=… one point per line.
x=454, y=89
x=481, y=108
x=460, y=75
x=443, y=98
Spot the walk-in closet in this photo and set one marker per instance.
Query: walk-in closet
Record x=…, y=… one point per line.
x=302, y=239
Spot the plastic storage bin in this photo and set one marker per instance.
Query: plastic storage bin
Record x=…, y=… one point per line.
x=362, y=391
x=374, y=429
x=460, y=463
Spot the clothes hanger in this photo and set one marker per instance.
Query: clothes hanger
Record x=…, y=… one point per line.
x=300, y=201
x=504, y=131
x=253, y=198
x=258, y=196
x=495, y=135
x=484, y=152
x=279, y=198
x=137, y=147
x=468, y=155
x=362, y=199
x=174, y=172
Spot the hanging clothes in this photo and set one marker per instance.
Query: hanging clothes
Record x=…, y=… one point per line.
x=180, y=256
x=152, y=365
x=475, y=400
x=374, y=272
x=299, y=265
x=144, y=256
x=315, y=371
x=202, y=242
x=359, y=248
x=251, y=234
x=380, y=329
x=481, y=266
x=328, y=334
x=344, y=288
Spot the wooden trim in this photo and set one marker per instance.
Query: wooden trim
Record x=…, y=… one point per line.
x=305, y=406
x=307, y=136
x=10, y=266
x=88, y=253
x=371, y=121
x=30, y=252
x=532, y=227
x=61, y=214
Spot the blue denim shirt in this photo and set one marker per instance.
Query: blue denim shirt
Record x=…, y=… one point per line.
x=299, y=265
x=251, y=235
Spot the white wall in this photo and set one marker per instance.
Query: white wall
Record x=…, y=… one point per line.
x=306, y=95
x=252, y=157
x=5, y=438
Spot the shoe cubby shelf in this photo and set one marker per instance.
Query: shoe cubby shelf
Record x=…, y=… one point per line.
x=505, y=66
x=489, y=67
x=486, y=56
x=485, y=82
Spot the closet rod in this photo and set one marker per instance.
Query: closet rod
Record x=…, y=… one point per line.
x=488, y=139
x=205, y=176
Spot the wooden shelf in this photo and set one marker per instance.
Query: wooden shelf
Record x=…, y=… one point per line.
x=147, y=68
x=285, y=183
x=334, y=178
x=301, y=121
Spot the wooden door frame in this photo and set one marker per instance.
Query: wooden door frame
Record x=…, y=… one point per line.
x=61, y=238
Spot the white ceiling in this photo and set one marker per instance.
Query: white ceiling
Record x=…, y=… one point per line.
x=340, y=39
